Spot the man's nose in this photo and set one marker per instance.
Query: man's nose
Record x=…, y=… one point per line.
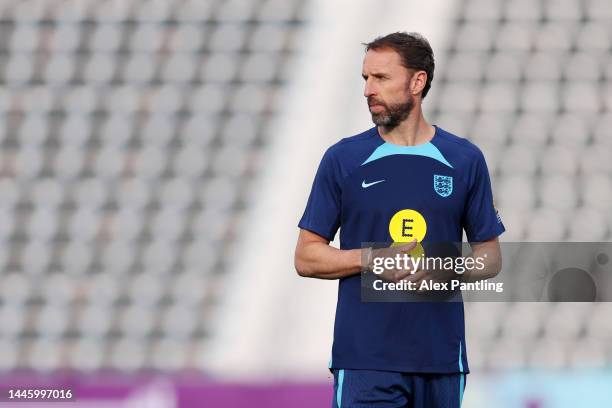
x=369, y=90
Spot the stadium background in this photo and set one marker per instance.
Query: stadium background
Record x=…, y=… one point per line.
x=156, y=157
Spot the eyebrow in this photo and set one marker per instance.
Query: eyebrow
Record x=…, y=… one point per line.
x=375, y=75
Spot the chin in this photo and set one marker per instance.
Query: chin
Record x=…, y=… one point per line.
x=380, y=120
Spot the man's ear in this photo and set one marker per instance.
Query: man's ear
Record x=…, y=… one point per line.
x=417, y=82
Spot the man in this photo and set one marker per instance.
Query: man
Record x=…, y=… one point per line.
x=397, y=354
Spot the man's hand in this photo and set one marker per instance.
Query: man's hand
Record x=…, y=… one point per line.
x=488, y=252
x=397, y=272
x=431, y=276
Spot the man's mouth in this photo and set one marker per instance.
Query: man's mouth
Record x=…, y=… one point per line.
x=372, y=103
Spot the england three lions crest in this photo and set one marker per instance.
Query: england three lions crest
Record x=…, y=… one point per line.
x=443, y=185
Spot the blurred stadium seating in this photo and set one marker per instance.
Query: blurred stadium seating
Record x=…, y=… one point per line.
x=131, y=131
x=534, y=83
x=530, y=82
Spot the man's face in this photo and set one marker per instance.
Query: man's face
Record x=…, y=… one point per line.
x=387, y=87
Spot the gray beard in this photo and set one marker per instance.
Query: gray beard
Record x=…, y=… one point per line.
x=393, y=115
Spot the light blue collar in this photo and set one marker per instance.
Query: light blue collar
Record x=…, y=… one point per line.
x=426, y=150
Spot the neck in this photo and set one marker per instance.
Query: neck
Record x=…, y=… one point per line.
x=412, y=131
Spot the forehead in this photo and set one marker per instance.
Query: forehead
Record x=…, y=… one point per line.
x=382, y=60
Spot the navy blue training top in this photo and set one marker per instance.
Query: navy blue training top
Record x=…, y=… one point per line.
x=361, y=183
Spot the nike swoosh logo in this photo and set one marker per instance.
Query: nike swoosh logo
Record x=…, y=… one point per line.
x=366, y=185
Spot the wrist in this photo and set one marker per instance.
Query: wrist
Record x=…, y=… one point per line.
x=367, y=256
x=466, y=275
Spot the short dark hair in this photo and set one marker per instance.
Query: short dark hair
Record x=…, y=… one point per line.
x=414, y=50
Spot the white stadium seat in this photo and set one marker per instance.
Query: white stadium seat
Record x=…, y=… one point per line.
x=515, y=36
x=483, y=10
x=523, y=10
x=563, y=10
x=555, y=36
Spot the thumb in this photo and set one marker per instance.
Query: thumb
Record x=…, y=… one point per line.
x=408, y=246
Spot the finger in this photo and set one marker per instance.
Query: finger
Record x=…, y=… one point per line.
x=401, y=275
x=417, y=285
x=417, y=275
x=407, y=247
x=421, y=287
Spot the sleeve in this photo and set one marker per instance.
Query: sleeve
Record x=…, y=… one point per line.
x=322, y=213
x=481, y=220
